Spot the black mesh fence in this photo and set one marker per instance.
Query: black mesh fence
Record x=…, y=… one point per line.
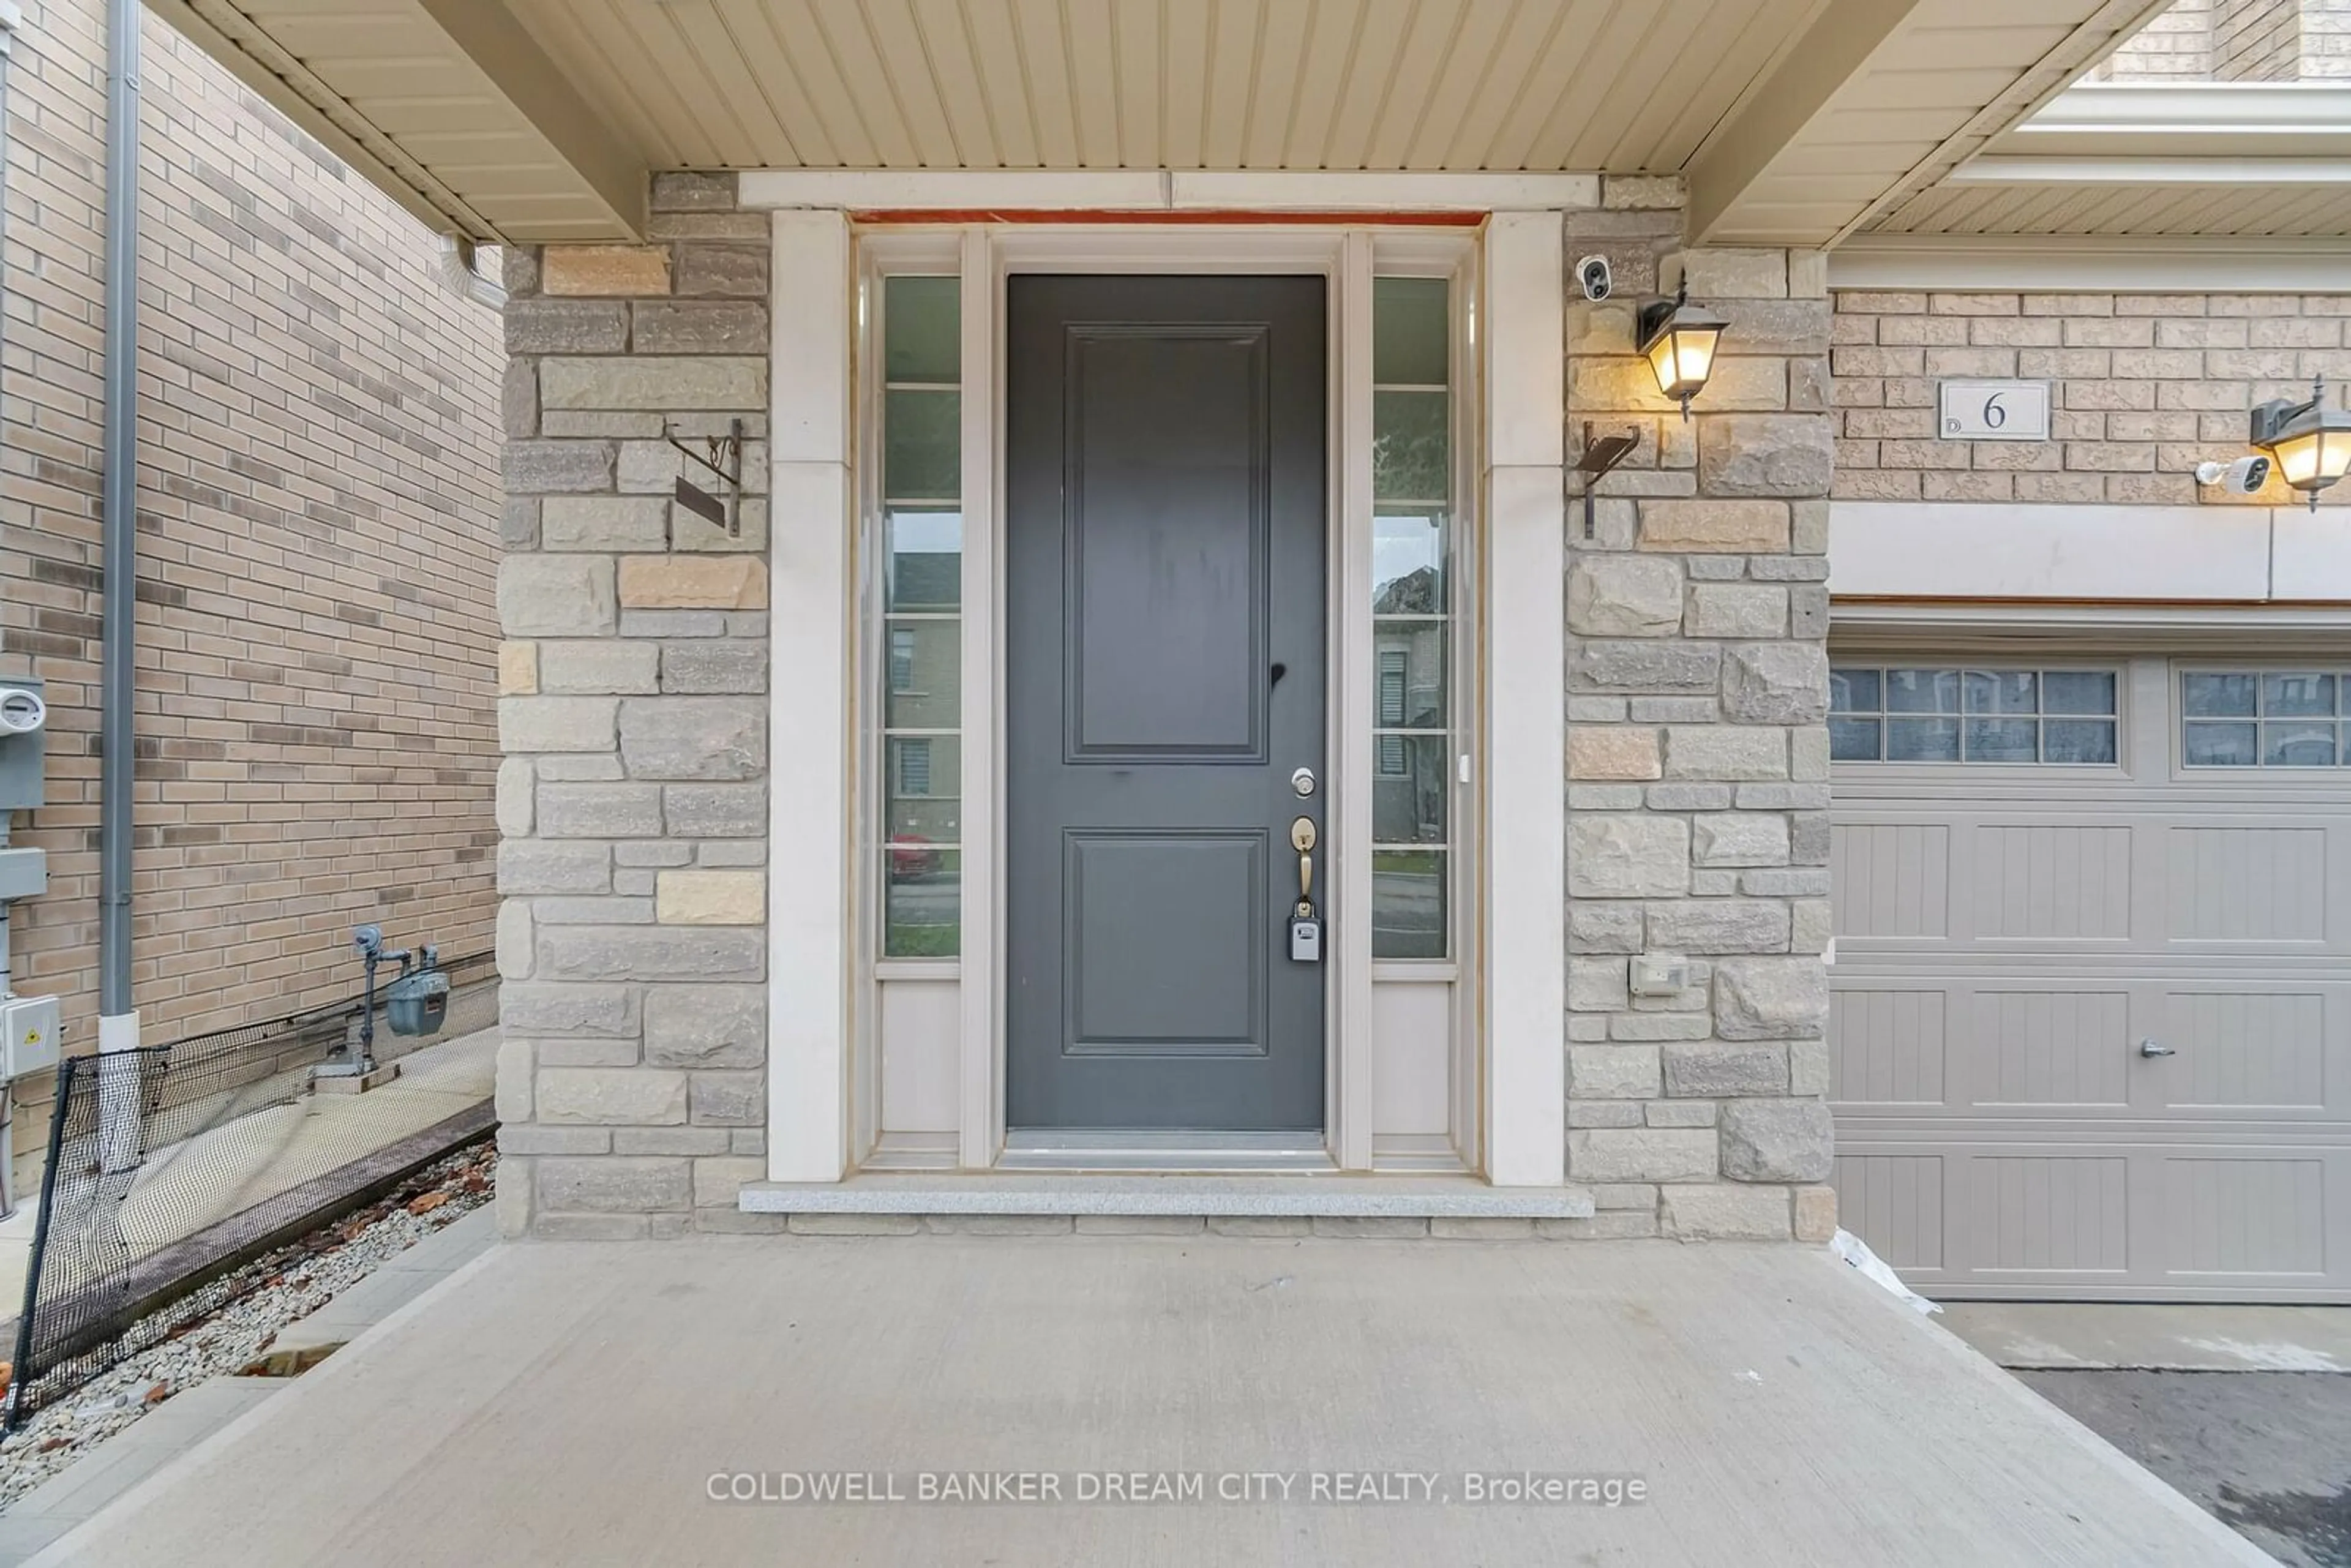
x=169, y=1165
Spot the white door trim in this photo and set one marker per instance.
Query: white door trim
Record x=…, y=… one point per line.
x=1525, y=827
x=1509, y=1072
x=1157, y=190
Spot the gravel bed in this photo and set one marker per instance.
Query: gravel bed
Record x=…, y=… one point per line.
x=266, y=1294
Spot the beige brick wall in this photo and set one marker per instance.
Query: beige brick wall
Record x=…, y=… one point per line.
x=319, y=538
x=2145, y=387
x=2175, y=47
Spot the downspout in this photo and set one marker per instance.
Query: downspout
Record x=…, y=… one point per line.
x=12, y=17
x=118, y=1023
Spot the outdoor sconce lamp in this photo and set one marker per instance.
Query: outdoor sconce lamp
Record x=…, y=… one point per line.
x=2310, y=442
x=1679, y=338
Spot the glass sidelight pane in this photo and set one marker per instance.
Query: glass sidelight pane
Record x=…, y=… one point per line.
x=1410, y=785
x=926, y=560
x=1408, y=683
x=1409, y=562
x=1410, y=332
x=1412, y=623
x=1408, y=904
x=1411, y=446
x=922, y=902
x=922, y=444
x=920, y=631
x=923, y=329
x=924, y=664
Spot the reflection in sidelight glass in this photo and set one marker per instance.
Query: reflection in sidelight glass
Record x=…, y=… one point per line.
x=1412, y=625
x=921, y=651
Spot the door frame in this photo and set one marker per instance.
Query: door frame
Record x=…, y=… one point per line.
x=1498, y=1077
x=1346, y=258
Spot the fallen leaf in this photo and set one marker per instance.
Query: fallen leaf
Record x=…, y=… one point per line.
x=428, y=1203
x=157, y=1395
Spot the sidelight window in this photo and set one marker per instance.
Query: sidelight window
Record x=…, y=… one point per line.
x=1412, y=616
x=922, y=642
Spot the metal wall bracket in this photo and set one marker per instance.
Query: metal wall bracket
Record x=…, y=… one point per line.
x=723, y=456
x=1601, y=454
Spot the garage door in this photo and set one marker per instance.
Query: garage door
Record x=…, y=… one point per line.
x=2091, y=1016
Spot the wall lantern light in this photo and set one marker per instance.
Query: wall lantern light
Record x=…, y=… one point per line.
x=1679, y=338
x=2310, y=442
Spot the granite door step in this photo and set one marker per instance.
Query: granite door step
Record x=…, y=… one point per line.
x=1048, y=1195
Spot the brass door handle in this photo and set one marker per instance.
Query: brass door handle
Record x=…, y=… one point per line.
x=1301, y=839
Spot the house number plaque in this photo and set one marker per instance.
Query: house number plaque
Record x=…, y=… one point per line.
x=1992, y=411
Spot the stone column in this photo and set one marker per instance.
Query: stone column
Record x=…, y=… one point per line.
x=633, y=800
x=1697, y=751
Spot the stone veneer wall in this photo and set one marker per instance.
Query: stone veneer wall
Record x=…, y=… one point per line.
x=2146, y=386
x=1698, y=754
x=635, y=720
x=1695, y=681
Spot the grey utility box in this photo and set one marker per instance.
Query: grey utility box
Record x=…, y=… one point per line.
x=24, y=746
x=23, y=873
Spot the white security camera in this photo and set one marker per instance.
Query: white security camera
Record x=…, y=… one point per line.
x=1592, y=273
x=2245, y=476
x=21, y=712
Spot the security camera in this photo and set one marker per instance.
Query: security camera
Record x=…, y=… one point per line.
x=2245, y=476
x=1592, y=273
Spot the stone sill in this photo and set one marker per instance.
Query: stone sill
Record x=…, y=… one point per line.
x=1332, y=1197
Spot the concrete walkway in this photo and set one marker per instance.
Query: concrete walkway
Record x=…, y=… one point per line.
x=249, y=1159
x=99, y=1478
x=572, y=1404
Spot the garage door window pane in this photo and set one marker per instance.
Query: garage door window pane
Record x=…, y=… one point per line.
x=2222, y=745
x=2077, y=691
x=2004, y=740
x=2293, y=696
x=1853, y=691
x=2078, y=740
x=1922, y=691
x=1903, y=715
x=1922, y=740
x=2304, y=745
x=2001, y=691
x=2300, y=718
x=1853, y=739
x=2218, y=697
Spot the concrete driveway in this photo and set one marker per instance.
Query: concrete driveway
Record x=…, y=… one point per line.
x=580, y=1403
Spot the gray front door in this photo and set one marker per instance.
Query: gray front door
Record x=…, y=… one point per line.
x=1164, y=669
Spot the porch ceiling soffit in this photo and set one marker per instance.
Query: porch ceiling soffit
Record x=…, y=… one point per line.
x=450, y=105
x=1798, y=122
x=1882, y=100
x=2254, y=160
